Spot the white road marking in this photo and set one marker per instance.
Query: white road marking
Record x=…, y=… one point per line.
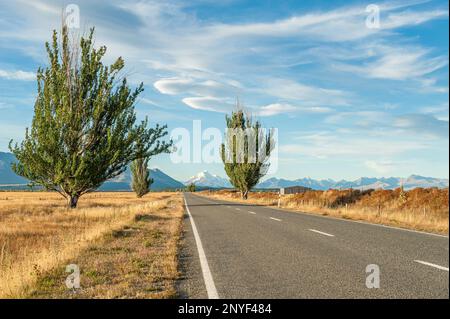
x=355, y=221
x=321, y=232
x=432, y=265
x=207, y=276
x=352, y=221
x=278, y=220
x=237, y=208
x=252, y=212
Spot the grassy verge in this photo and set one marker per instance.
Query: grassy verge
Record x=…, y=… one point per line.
x=418, y=209
x=124, y=247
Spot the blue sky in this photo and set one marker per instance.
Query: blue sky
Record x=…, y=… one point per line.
x=347, y=100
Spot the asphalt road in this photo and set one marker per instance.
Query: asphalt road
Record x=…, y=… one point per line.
x=250, y=251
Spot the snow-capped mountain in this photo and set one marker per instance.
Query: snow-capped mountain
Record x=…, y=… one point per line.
x=362, y=183
x=207, y=179
x=306, y=182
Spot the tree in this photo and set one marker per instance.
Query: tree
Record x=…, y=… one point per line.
x=140, y=174
x=246, y=152
x=191, y=187
x=84, y=129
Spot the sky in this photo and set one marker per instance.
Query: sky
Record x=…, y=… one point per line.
x=348, y=97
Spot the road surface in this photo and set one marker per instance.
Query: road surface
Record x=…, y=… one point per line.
x=249, y=251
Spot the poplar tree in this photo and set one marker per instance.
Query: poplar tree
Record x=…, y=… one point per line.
x=84, y=129
x=140, y=176
x=246, y=152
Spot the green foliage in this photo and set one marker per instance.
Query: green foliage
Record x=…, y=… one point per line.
x=140, y=174
x=84, y=129
x=190, y=187
x=246, y=152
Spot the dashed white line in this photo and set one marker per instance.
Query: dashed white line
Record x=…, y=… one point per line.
x=321, y=232
x=278, y=220
x=432, y=265
x=207, y=276
x=237, y=208
x=252, y=212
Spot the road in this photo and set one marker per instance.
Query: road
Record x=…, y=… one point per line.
x=251, y=251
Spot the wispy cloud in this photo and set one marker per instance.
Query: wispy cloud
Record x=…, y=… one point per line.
x=422, y=124
x=397, y=63
x=17, y=75
x=382, y=166
x=329, y=145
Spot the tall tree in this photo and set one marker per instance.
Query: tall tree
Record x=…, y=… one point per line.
x=140, y=175
x=246, y=152
x=84, y=129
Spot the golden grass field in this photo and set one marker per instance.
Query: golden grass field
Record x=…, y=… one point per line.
x=118, y=241
x=418, y=209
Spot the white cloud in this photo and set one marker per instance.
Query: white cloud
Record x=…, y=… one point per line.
x=397, y=63
x=381, y=167
x=424, y=124
x=441, y=112
x=411, y=18
x=330, y=145
x=305, y=94
x=282, y=108
x=178, y=85
x=344, y=24
x=42, y=7
x=209, y=103
x=430, y=86
x=18, y=75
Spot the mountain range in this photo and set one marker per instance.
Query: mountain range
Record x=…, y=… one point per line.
x=204, y=179
x=161, y=181
x=362, y=183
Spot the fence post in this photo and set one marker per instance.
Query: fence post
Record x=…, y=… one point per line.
x=279, y=199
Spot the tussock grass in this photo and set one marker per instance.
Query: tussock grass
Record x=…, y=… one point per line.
x=418, y=209
x=38, y=233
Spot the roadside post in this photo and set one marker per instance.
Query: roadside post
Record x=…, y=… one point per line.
x=279, y=197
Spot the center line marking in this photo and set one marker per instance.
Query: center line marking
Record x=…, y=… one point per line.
x=278, y=220
x=432, y=265
x=320, y=232
x=207, y=276
x=237, y=208
x=252, y=212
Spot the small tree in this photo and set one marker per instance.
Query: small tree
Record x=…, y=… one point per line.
x=191, y=187
x=246, y=152
x=83, y=131
x=140, y=174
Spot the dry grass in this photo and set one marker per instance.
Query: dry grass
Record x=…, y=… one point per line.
x=419, y=209
x=39, y=235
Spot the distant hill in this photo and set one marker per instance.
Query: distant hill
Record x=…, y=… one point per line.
x=161, y=181
x=7, y=176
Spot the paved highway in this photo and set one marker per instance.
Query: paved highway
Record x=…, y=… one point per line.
x=247, y=251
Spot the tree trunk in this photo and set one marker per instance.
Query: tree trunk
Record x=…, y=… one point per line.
x=244, y=194
x=73, y=201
